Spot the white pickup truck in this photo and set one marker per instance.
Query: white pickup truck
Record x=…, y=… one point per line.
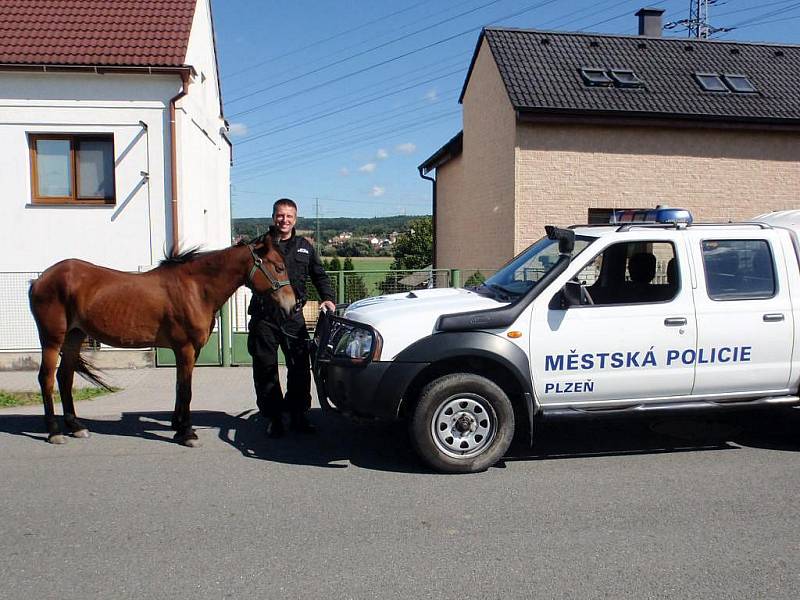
x=638, y=316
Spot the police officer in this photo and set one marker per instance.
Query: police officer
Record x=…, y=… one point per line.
x=268, y=329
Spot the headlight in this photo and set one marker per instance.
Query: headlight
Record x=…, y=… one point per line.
x=356, y=343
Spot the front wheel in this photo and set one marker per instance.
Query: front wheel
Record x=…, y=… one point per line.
x=463, y=423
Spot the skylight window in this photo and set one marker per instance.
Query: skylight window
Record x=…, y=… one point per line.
x=711, y=82
x=739, y=83
x=597, y=77
x=625, y=78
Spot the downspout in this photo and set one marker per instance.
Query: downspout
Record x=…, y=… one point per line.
x=433, y=210
x=173, y=164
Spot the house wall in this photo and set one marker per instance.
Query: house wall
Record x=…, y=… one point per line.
x=127, y=235
x=204, y=154
x=475, y=194
x=719, y=175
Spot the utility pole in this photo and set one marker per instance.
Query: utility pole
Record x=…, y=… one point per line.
x=698, y=24
x=698, y=19
x=316, y=235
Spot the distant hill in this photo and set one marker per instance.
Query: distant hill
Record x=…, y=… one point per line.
x=329, y=227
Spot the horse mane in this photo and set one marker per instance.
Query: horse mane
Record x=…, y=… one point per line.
x=181, y=257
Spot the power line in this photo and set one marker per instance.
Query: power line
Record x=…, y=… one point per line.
x=619, y=16
x=339, y=110
x=316, y=157
x=361, y=123
x=322, y=41
x=343, y=145
x=390, y=60
x=346, y=49
x=459, y=64
x=362, y=53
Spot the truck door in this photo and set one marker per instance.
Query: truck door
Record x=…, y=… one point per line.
x=614, y=345
x=744, y=315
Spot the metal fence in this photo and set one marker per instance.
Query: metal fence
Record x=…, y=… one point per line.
x=18, y=330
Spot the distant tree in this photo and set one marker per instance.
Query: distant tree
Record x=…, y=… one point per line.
x=414, y=248
x=356, y=248
x=354, y=286
x=334, y=264
x=475, y=279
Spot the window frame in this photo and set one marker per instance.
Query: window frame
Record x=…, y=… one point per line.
x=698, y=78
x=586, y=75
x=74, y=140
x=678, y=288
x=728, y=79
x=634, y=82
x=739, y=298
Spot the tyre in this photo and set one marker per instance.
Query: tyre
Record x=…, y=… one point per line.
x=463, y=423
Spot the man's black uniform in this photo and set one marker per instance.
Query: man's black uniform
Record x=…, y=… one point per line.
x=268, y=329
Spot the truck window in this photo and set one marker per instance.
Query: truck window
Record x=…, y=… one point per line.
x=632, y=273
x=738, y=269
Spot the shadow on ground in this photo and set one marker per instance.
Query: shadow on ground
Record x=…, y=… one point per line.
x=384, y=446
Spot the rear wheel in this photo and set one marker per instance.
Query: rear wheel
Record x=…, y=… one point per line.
x=463, y=423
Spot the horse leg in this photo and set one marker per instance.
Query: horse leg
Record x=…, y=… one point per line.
x=46, y=380
x=70, y=353
x=182, y=419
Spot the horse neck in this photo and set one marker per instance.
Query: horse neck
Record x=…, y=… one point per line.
x=224, y=272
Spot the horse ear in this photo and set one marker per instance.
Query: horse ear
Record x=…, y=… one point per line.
x=273, y=233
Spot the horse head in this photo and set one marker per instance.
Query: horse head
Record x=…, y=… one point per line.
x=268, y=275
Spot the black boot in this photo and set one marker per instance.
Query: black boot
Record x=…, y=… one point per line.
x=300, y=424
x=275, y=428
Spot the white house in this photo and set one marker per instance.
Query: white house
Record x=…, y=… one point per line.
x=113, y=145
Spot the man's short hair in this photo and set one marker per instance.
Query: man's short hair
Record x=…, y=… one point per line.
x=283, y=202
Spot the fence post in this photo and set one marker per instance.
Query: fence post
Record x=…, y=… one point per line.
x=455, y=278
x=225, y=333
x=340, y=287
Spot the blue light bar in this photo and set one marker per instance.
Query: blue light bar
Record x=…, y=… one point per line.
x=660, y=214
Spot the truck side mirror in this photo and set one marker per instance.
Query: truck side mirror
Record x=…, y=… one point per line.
x=569, y=295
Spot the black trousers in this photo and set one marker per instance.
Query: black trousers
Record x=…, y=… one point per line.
x=263, y=339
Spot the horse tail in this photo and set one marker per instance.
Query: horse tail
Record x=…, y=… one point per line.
x=89, y=372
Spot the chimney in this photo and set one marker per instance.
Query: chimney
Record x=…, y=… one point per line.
x=650, y=21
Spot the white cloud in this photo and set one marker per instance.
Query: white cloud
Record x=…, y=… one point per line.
x=377, y=191
x=432, y=95
x=407, y=148
x=344, y=171
x=368, y=168
x=382, y=154
x=238, y=129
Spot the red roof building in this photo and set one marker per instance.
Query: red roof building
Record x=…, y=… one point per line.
x=142, y=33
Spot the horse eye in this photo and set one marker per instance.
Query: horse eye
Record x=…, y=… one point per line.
x=280, y=268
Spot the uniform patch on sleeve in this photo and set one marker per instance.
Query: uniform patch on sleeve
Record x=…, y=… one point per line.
x=303, y=250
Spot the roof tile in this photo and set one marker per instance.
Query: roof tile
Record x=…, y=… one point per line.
x=153, y=33
x=547, y=76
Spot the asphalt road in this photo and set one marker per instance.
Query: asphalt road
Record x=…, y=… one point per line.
x=671, y=509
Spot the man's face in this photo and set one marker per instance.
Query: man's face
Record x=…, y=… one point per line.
x=284, y=218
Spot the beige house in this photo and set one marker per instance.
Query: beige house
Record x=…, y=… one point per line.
x=563, y=128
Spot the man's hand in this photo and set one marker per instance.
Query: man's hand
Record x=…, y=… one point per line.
x=327, y=306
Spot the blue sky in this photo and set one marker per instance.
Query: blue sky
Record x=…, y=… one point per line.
x=339, y=102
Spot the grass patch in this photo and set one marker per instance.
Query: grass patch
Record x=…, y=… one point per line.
x=371, y=263
x=8, y=399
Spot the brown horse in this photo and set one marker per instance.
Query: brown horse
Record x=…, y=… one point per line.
x=172, y=306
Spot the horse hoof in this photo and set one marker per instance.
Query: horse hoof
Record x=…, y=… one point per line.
x=81, y=433
x=57, y=438
x=192, y=443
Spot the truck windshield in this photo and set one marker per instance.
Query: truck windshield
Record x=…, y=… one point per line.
x=525, y=270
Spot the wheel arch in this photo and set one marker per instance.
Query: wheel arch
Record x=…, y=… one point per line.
x=481, y=353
